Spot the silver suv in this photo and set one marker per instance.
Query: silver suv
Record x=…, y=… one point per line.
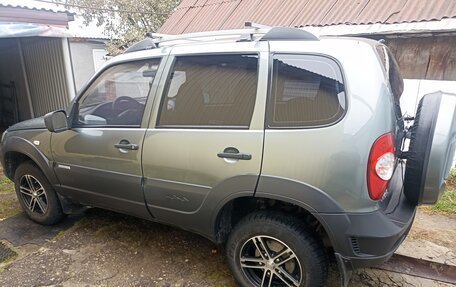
x=284, y=147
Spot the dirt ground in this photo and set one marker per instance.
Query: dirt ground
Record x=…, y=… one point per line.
x=108, y=249
x=102, y=248
x=8, y=201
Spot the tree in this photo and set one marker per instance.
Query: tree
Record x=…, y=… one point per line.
x=124, y=21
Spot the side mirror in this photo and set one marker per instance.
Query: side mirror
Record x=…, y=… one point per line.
x=56, y=121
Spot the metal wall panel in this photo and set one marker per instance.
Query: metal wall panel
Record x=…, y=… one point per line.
x=46, y=73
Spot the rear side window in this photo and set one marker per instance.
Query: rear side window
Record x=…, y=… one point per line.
x=391, y=68
x=210, y=91
x=306, y=91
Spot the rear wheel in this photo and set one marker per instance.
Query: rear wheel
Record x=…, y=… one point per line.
x=36, y=196
x=273, y=249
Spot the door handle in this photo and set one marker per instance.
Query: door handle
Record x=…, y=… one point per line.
x=126, y=145
x=233, y=153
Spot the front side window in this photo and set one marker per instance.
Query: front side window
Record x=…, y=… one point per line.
x=306, y=91
x=118, y=96
x=210, y=91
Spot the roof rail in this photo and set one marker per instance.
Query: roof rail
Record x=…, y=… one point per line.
x=251, y=29
x=288, y=34
x=145, y=44
x=162, y=38
x=249, y=24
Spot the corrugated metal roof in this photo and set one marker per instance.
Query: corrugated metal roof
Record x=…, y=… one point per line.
x=244, y=10
x=76, y=25
x=204, y=15
x=34, y=5
x=445, y=25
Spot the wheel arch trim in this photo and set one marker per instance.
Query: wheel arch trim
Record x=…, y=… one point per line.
x=23, y=146
x=314, y=201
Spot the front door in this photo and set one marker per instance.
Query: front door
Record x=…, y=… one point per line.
x=98, y=161
x=205, y=139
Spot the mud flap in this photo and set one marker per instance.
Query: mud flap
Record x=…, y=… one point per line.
x=344, y=269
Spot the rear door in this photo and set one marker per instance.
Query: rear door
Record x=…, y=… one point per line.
x=204, y=142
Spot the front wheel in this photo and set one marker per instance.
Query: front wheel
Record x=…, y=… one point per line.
x=273, y=249
x=36, y=196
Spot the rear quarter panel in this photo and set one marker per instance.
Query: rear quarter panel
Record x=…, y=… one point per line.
x=334, y=159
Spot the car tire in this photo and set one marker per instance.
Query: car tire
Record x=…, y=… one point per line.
x=36, y=196
x=421, y=137
x=303, y=255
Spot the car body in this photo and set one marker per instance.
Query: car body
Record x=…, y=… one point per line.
x=206, y=169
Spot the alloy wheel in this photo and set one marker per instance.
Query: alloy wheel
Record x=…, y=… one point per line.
x=33, y=194
x=267, y=261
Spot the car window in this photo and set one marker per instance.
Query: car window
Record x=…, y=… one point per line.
x=210, y=91
x=392, y=70
x=118, y=96
x=306, y=91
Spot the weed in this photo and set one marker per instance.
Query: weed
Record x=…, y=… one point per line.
x=451, y=181
x=446, y=204
x=6, y=185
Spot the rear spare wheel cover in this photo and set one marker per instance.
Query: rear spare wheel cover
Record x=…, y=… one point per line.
x=432, y=147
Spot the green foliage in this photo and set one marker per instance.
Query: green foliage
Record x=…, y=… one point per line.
x=125, y=21
x=446, y=204
x=6, y=186
x=451, y=182
x=8, y=203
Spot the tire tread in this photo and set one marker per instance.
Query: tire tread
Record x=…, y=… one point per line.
x=298, y=227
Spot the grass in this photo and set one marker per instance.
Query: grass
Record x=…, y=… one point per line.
x=9, y=205
x=451, y=182
x=447, y=203
x=6, y=185
x=7, y=209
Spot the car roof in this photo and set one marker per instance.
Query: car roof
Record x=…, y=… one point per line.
x=155, y=44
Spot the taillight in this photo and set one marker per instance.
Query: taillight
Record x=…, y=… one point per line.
x=380, y=167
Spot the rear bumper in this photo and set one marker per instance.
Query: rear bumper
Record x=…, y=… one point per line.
x=373, y=238
x=368, y=239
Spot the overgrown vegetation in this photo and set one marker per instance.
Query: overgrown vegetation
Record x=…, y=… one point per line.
x=447, y=203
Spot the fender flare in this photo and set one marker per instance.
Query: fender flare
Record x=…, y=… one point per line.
x=315, y=201
x=25, y=147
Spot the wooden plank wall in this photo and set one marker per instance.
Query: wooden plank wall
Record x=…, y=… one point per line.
x=430, y=58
